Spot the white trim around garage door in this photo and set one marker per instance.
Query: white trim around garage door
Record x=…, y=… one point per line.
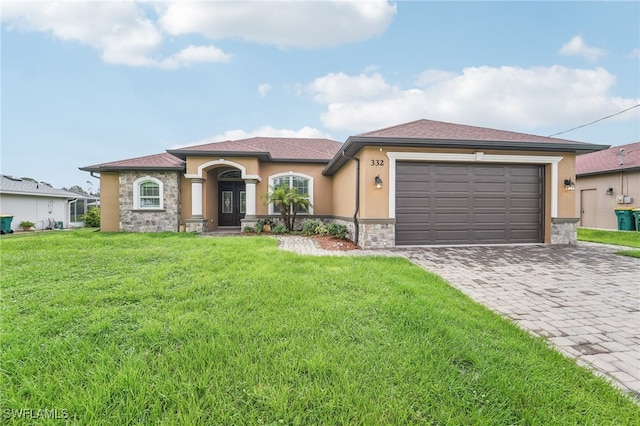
x=477, y=157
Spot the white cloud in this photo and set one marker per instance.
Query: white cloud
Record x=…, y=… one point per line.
x=125, y=34
x=263, y=89
x=505, y=97
x=120, y=30
x=577, y=46
x=635, y=53
x=194, y=55
x=340, y=87
x=307, y=24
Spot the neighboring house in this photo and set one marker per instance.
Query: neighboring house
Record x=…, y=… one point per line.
x=607, y=180
x=39, y=203
x=420, y=183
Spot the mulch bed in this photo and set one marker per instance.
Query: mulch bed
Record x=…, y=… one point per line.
x=328, y=242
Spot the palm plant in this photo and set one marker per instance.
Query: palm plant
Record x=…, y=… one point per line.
x=287, y=201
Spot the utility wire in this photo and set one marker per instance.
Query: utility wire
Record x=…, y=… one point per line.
x=600, y=119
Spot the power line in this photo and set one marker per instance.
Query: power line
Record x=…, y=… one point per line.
x=600, y=119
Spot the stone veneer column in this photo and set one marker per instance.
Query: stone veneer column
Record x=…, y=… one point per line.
x=564, y=230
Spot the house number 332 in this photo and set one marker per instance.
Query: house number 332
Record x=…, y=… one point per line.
x=377, y=163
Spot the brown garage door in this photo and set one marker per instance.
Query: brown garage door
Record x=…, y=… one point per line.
x=442, y=203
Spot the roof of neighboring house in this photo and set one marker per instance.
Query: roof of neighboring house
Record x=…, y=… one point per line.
x=19, y=186
x=164, y=161
x=609, y=161
x=268, y=149
x=438, y=134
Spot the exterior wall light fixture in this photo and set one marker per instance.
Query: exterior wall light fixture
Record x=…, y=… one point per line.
x=569, y=185
x=378, y=182
x=609, y=191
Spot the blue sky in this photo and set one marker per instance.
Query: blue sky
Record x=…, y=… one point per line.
x=92, y=82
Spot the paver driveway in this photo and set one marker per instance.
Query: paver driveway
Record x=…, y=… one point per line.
x=584, y=299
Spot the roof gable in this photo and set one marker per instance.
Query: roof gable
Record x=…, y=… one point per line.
x=18, y=186
x=438, y=130
x=268, y=148
x=609, y=160
x=162, y=161
x=438, y=134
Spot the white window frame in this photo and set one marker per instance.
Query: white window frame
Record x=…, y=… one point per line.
x=291, y=175
x=136, y=193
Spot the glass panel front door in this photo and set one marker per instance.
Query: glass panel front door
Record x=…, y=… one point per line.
x=231, y=202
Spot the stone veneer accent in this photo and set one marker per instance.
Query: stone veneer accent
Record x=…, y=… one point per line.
x=376, y=234
x=167, y=219
x=564, y=230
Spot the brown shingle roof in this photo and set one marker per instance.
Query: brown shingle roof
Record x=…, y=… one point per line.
x=437, y=134
x=609, y=160
x=162, y=161
x=429, y=129
x=269, y=148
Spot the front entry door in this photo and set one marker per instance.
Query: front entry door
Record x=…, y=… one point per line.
x=232, y=203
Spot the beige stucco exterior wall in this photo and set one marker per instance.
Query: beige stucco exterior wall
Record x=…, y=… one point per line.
x=344, y=191
x=185, y=194
x=109, y=202
x=251, y=164
x=622, y=183
x=322, y=200
x=322, y=189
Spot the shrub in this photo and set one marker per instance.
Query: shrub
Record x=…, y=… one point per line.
x=309, y=226
x=27, y=224
x=321, y=229
x=337, y=230
x=92, y=218
x=279, y=229
x=248, y=229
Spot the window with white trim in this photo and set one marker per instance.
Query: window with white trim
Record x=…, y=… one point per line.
x=148, y=194
x=303, y=183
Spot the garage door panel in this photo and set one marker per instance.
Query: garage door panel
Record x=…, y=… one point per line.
x=451, y=218
x=444, y=203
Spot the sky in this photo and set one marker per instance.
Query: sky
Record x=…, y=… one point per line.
x=84, y=83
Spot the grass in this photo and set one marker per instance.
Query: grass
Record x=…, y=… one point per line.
x=178, y=329
x=619, y=238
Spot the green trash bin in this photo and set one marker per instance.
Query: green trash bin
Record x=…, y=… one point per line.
x=636, y=216
x=625, y=219
x=5, y=224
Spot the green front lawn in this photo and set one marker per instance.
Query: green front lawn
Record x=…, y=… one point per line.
x=619, y=238
x=178, y=329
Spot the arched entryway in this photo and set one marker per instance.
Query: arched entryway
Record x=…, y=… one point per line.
x=232, y=197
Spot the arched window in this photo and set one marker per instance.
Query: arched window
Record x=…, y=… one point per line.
x=148, y=194
x=303, y=183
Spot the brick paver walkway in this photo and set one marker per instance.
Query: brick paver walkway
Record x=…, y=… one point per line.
x=584, y=299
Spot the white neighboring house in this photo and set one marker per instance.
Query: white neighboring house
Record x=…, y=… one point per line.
x=41, y=204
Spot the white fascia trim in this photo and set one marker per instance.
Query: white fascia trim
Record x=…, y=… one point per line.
x=222, y=161
x=476, y=157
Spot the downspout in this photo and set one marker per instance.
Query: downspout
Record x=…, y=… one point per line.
x=355, y=214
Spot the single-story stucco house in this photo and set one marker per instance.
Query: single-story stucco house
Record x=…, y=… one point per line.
x=40, y=203
x=419, y=183
x=605, y=181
